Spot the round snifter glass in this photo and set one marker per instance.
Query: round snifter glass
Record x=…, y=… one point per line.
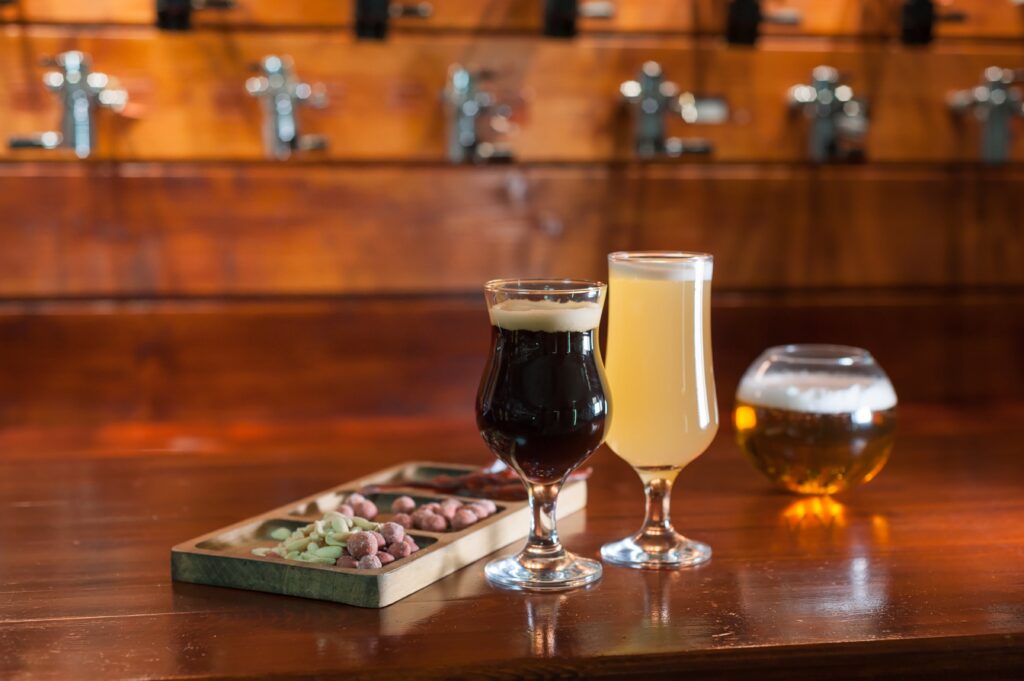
x=816, y=419
x=543, y=409
x=663, y=385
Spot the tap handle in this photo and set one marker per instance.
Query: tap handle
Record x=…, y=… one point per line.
x=42, y=140
x=697, y=146
x=417, y=10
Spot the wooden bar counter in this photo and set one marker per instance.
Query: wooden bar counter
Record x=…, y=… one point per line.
x=917, y=575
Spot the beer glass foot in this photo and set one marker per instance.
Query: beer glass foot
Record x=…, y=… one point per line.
x=569, y=572
x=682, y=553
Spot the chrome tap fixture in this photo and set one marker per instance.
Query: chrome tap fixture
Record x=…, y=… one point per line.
x=81, y=92
x=838, y=119
x=995, y=103
x=470, y=109
x=653, y=98
x=282, y=94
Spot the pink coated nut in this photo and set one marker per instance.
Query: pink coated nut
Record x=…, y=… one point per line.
x=347, y=562
x=365, y=509
x=362, y=544
x=480, y=510
x=491, y=507
x=346, y=510
x=403, y=504
x=449, y=507
x=411, y=543
x=392, y=532
x=431, y=522
x=431, y=506
x=384, y=557
x=354, y=498
x=381, y=542
x=463, y=519
x=399, y=549
x=369, y=563
x=419, y=516
x=403, y=519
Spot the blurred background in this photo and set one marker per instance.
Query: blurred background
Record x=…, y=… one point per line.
x=228, y=215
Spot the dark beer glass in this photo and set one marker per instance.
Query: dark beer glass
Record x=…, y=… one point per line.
x=543, y=408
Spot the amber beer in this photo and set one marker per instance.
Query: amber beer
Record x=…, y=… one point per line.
x=816, y=433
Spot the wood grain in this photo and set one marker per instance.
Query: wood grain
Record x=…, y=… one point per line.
x=259, y=360
x=860, y=588
x=226, y=229
x=498, y=16
x=190, y=103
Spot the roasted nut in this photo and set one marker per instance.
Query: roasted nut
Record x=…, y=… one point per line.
x=365, y=509
x=464, y=517
x=479, y=509
x=399, y=549
x=381, y=542
x=413, y=546
x=491, y=507
x=369, y=563
x=392, y=532
x=346, y=510
x=432, y=506
x=431, y=522
x=361, y=544
x=449, y=508
x=354, y=498
x=403, y=504
x=403, y=519
x=347, y=562
x=384, y=557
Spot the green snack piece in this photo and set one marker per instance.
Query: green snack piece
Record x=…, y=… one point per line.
x=328, y=552
x=280, y=534
x=364, y=523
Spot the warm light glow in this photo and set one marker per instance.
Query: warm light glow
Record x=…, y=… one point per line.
x=815, y=511
x=744, y=417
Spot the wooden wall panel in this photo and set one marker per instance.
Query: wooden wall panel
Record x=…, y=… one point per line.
x=79, y=363
x=136, y=229
x=982, y=19
x=190, y=103
x=864, y=18
x=447, y=15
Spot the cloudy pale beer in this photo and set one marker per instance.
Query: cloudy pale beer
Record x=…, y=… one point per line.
x=816, y=432
x=659, y=364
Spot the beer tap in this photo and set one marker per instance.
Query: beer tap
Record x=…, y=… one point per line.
x=652, y=99
x=282, y=94
x=839, y=121
x=994, y=104
x=81, y=91
x=176, y=15
x=467, y=105
x=918, y=19
x=372, y=17
x=560, y=15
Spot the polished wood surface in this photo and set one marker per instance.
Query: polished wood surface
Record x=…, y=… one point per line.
x=913, y=576
x=219, y=229
x=662, y=16
x=189, y=100
x=102, y=362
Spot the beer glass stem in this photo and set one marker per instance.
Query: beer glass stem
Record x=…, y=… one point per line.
x=542, y=544
x=657, y=525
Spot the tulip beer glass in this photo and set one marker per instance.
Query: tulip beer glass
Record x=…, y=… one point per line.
x=542, y=408
x=663, y=387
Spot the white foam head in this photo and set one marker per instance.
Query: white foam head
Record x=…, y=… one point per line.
x=545, y=315
x=661, y=266
x=817, y=392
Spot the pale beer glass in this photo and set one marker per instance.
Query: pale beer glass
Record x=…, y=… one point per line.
x=663, y=389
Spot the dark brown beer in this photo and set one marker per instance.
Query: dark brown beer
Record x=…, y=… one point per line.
x=542, y=406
